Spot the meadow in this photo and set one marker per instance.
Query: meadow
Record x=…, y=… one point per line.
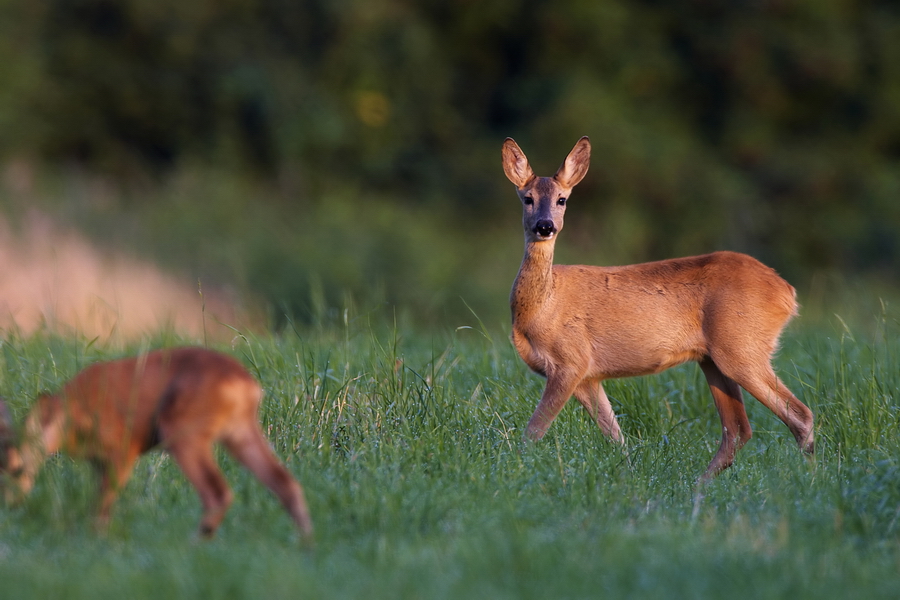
x=409, y=447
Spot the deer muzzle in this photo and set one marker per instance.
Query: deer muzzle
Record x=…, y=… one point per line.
x=544, y=228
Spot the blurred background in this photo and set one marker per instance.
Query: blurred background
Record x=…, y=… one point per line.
x=288, y=159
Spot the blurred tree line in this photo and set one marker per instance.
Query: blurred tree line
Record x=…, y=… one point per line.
x=766, y=126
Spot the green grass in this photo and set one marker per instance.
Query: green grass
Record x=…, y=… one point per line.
x=409, y=448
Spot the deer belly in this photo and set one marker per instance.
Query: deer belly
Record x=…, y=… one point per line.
x=626, y=361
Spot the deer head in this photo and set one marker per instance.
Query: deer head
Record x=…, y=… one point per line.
x=544, y=198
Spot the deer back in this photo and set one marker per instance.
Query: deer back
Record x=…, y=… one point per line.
x=118, y=406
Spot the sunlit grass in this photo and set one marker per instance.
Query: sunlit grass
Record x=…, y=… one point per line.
x=409, y=448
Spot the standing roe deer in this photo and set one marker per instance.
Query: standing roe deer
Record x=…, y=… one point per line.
x=579, y=325
x=182, y=400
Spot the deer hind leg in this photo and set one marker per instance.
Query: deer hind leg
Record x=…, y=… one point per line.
x=196, y=460
x=593, y=398
x=766, y=387
x=758, y=378
x=560, y=387
x=252, y=449
x=736, y=429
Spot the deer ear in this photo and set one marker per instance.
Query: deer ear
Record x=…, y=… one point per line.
x=515, y=164
x=575, y=167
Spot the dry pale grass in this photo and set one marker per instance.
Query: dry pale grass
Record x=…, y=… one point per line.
x=53, y=278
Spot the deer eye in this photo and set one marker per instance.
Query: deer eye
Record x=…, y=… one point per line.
x=561, y=201
x=528, y=200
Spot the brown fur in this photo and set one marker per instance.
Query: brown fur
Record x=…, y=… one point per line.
x=183, y=400
x=579, y=325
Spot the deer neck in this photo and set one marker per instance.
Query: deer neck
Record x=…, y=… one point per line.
x=42, y=436
x=533, y=287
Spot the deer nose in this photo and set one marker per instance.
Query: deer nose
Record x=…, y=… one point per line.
x=544, y=228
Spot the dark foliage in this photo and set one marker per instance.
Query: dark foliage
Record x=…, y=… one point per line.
x=771, y=127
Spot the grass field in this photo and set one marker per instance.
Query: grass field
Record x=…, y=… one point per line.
x=409, y=448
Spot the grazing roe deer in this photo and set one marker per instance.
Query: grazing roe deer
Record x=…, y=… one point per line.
x=182, y=400
x=579, y=325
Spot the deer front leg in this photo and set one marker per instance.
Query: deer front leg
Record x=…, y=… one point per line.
x=560, y=387
x=112, y=478
x=593, y=398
